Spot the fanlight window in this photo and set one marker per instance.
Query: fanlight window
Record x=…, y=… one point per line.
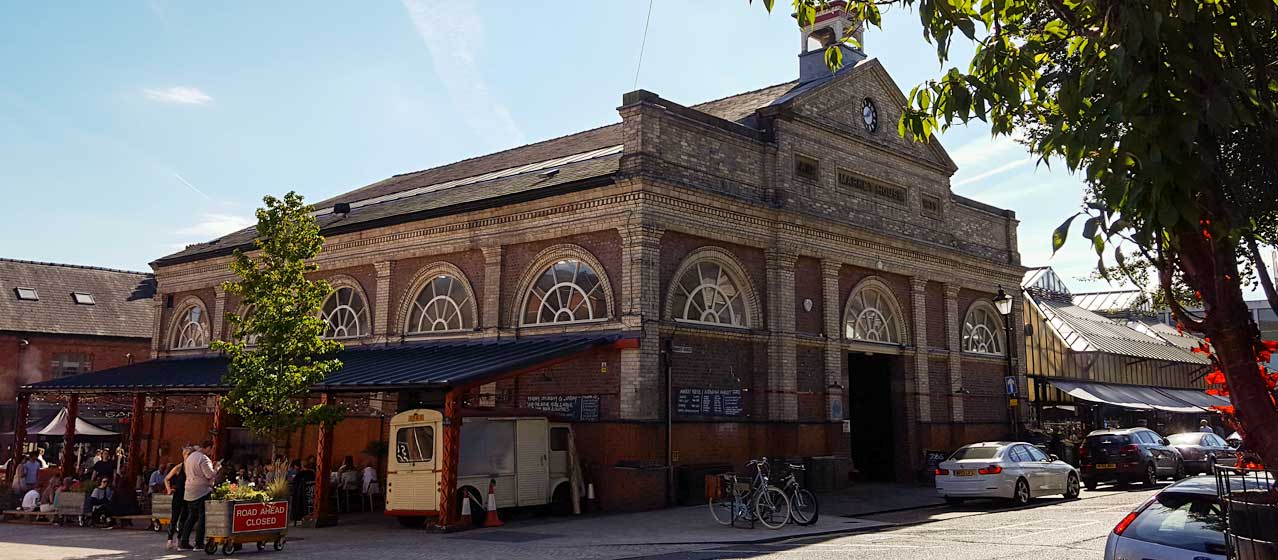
x=442, y=305
x=345, y=313
x=192, y=330
x=251, y=339
x=706, y=293
x=981, y=331
x=872, y=316
x=568, y=291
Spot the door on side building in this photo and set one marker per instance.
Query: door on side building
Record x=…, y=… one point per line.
x=871, y=410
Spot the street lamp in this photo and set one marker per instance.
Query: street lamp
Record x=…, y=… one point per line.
x=1003, y=302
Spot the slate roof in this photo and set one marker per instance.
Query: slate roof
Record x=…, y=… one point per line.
x=454, y=187
x=436, y=363
x=122, y=300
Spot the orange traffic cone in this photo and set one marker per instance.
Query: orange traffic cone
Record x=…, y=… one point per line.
x=491, y=519
x=466, y=514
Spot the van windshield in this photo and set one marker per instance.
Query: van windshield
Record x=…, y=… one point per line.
x=975, y=452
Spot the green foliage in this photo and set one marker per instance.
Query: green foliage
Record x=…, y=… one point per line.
x=270, y=378
x=234, y=492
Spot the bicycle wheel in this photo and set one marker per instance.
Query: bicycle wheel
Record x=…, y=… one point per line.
x=772, y=507
x=803, y=507
x=721, y=507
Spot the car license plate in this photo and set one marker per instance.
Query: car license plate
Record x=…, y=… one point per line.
x=1106, y=466
x=965, y=472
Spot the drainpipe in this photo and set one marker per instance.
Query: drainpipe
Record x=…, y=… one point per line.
x=668, y=350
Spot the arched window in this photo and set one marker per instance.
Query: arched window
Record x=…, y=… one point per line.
x=345, y=313
x=711, y=289
x=191, y=327
x=441, y=302
x=872, y=314
x=567, y=291
x=981, y=330
x=250, y=340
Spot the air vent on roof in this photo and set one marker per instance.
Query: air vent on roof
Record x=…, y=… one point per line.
x=549, y=173
x=28, y=294
x=82, y=298
x=342, y=208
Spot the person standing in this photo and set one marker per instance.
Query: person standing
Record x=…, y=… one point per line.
x=31, y=471
x=1203, y=426
x=175, y=486
x=200, y=474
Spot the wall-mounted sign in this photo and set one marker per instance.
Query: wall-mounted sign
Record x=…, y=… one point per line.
x=677, y=349
x=579, y=408
x=709, y=402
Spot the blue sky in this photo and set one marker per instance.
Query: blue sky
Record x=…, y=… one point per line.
x=129, y=129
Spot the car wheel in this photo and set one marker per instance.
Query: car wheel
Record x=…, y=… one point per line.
x=1090, y=485
x=1022, y=494
x=1211, y=465
x=1071, y=487
x=1151, y=475
x=954, y=501
x=1180, y=470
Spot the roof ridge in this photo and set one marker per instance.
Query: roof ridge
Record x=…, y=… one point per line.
x=739, y=94
x=80, y=266
x=511, y=149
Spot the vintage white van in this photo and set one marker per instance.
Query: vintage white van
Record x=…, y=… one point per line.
x=526, y=455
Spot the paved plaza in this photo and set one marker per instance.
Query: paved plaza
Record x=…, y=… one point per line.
x=911, y=525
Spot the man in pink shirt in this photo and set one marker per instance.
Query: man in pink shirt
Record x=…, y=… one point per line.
x=200, y=473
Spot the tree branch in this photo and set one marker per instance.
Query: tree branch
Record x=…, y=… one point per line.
x=1263, y=272
x=1165, y=279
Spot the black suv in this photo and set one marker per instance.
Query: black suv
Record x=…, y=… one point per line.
x=1128, y=455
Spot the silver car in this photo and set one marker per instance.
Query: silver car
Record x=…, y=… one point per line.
x=1201, y=450
x=1182, y=522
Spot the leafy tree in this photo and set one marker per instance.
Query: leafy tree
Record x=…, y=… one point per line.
x=271, y=377
x=1168, y=109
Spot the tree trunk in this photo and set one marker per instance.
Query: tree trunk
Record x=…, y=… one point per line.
x=1211, y=267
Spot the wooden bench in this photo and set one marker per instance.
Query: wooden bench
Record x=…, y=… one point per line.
x=30, y=516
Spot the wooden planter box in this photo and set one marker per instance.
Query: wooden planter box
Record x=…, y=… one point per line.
x=161, y=506
x=224, y=518
x=71, y=503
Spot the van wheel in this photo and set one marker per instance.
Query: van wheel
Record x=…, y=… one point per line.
x=561, y=500
x=469, y=493
x=411, y=521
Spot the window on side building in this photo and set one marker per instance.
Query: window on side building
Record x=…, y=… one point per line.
x=70, y=363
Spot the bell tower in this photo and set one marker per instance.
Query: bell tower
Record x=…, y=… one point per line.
x=828, y=27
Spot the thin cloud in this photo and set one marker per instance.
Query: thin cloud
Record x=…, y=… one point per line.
x=451, y=31
x=212, y=225
x=992, y=172
x=181, y=95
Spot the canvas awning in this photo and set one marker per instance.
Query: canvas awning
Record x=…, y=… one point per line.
x=1139, y=397
x=57, y=426
x=440, y=364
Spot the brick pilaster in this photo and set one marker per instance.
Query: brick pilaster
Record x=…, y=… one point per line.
x=831, y=313
x=783, y=377
x=158, y=324
x=218, y=317
x=490, y=295
x=953, y=328
x=381, y=301
x=640, y=296
x=918, y=304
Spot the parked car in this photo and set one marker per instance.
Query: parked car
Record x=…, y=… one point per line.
x=1012, y=470
x=1128, y=455
x=1183, y=521
x=1201, y=450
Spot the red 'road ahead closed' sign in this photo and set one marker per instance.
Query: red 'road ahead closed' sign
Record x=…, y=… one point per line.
x=269, y=516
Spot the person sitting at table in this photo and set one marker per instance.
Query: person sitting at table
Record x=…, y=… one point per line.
x=31, y=500
x=100, y=501
x=51, y=489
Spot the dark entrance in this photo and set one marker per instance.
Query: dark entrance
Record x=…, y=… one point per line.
x=871, y=410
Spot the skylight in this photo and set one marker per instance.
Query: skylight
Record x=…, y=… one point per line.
x=82, y=298
x=28, y=294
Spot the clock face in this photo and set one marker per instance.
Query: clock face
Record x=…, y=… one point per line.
x=870, y=115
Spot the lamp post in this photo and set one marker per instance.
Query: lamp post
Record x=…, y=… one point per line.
x=1003, y=302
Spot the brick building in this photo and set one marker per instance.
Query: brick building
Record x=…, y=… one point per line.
x=791, y=263
x=58, y=320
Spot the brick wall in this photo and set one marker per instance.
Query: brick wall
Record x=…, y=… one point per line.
x=811, y=383
x=985, y=401
x=807, y=285
x=21, y=365
x=717, y=362
x=937, y=328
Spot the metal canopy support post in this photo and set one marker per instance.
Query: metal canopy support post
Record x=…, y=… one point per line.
x=68, y=438
x=219, y=427
x=19, y=432
x=448, y=514
x=323, y=456
x=135, y=439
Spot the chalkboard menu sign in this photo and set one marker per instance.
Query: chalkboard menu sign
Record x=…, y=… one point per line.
x=709, y=402
x=578, y=408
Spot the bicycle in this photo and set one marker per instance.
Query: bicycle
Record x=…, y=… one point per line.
x=756, y=500
x=803, y=503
